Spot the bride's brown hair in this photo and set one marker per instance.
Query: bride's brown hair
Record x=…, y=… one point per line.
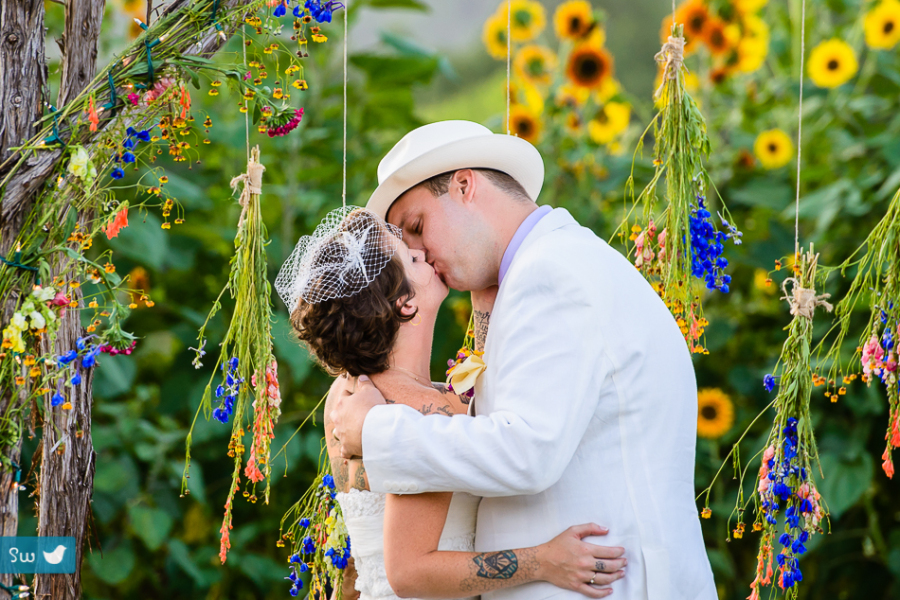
x=355, y=335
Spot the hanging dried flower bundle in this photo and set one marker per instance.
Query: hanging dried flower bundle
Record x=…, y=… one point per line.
x=877, y=283
x=246, y=365
x=682, y=242
x=788, y=509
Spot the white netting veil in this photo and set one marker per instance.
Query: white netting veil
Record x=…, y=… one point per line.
x=343, y=255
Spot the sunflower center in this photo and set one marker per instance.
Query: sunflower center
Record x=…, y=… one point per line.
x=772, y=147
x=524, y=128
x=536, y=66
x=709, y=413
x=522, y=18
x=717, y=38
x=602, y=118
x=833, y=64
x=575, y=24
x=696, y=22
x=888, y=27
x=589, y=68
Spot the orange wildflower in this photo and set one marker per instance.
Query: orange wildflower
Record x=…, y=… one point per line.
x=92, y=115
x=185, y=102
x=117, y=223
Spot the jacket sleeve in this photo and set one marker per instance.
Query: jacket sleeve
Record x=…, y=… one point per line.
x=546, y=383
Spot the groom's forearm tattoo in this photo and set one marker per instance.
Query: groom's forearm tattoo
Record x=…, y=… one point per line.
x=359, y=480
x=482, y=320
x=497, y=565
x=340, y=470
x=441, y=387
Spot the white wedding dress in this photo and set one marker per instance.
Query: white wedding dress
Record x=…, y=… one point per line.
x=364, y=517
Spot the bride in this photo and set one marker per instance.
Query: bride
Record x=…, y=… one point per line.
x=366, y=305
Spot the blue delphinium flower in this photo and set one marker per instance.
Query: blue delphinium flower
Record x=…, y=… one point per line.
x=769, y=382
x=128, y=144
x=304, y=522
x=707, y=262
x=128, y=157
x=280, y=10
x=57, y=399
x=229, y=391
x=144, y=135
x=76, y=378
x=117, y=173
x=328, y=481
x=309, y=546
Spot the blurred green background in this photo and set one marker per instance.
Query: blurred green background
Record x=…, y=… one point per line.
x=416, y=62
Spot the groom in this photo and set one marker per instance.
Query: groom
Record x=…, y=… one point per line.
x=587, y=410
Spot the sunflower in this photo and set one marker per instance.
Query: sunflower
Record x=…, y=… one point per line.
x=573, y=19
x=494, y=36
x=608, y=89
x=773, y=148
x=694, y=15
x=611, y=120
x=524, y=123
x=882, y=25
x=832, y=63
x=571, y=95
x=751, y=54
x=755, y=28
x=573, y=124
x=746, y=7
x=719, y=36
x=589, y=65
x=715, y=414
x=535, y=64
x=527, y=20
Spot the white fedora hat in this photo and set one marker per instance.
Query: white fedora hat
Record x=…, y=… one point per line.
x=450, y=145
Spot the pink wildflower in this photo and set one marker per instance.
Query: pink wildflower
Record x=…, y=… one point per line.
x=134, y=98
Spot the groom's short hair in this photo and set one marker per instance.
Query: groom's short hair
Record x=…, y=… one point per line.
x=440, y=184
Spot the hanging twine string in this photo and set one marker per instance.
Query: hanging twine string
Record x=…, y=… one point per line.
x=246, y=114
x=799, y=129
x=252, y=181
x=508, y=60
x=344, y=176
x=672, y=56
x=804, y=301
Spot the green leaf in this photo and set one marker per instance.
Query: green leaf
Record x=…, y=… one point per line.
x=766, y=193
x=384, y=71
x=115, y=376
x=181, y=556
x=289, y=349
x=152, y=525
x=261, y=569
x=408, y=4
x=846, y=480
x=115, y=565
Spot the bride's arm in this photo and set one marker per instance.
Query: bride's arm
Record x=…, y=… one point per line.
x=415, y=567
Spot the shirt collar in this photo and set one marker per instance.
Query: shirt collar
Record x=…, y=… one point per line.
x=519, y=237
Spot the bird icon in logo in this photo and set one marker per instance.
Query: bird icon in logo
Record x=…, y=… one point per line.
x=55, y=557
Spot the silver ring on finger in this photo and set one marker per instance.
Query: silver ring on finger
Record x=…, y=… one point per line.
x=592, y=578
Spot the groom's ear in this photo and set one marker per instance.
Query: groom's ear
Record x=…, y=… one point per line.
x=462, y=185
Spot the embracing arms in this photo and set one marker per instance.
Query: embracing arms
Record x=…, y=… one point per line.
x=547, y=366
x=415, y=567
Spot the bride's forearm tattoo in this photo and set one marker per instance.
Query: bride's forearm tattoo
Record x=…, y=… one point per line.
x=482, y=320
x=494, y=570
x=497, y=565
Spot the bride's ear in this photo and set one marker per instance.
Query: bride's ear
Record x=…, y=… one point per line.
x=406, y=308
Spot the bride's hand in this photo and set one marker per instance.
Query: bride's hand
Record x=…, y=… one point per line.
x=569, y=563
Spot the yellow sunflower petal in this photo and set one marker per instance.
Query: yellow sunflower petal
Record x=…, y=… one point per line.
x=573, y=20
x=715, y=413
x=882, y=25
x=832, y=63
x=773, y=148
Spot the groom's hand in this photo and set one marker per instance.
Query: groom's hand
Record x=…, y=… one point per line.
x=349, y=414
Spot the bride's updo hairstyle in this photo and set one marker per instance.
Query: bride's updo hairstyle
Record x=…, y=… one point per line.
x=353, y=333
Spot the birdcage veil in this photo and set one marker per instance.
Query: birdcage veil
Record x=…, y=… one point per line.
x=345, y=253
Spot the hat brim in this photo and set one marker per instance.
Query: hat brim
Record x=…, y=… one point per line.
x=509, y=154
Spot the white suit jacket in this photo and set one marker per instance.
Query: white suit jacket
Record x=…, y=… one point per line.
x=587, y=412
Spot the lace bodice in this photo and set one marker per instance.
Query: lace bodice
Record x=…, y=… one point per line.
x=364, y=516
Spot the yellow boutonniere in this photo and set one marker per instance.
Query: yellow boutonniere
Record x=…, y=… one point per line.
x=465, y=374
